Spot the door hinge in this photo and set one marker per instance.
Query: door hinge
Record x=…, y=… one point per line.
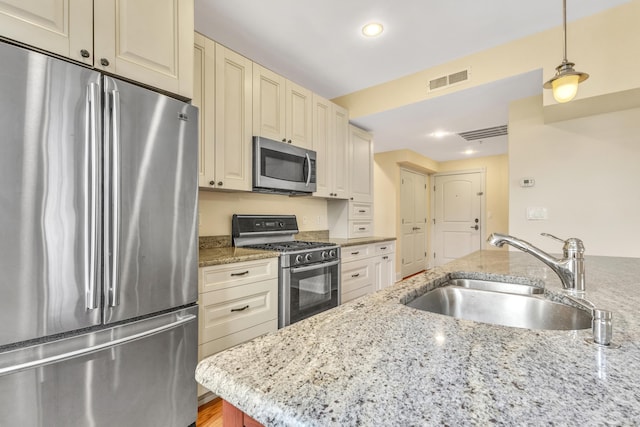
x=425, y=186
x=434, y=221
x=403, y=220
x=425, y=220
x=434, y=255
x=425, y=254
x=434, y=188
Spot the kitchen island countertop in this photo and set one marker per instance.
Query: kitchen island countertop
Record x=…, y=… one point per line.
x=375, y=361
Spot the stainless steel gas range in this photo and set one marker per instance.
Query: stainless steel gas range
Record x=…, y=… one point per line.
x=309, y=272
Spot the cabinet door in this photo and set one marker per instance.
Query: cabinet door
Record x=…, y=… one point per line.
x=233, y=120
x=203, y=98
x=322, y=144
x=340, y=149
x=361, y=161
x=268, y=104
x=149, y=41
x=64, y=27
x=298, y=116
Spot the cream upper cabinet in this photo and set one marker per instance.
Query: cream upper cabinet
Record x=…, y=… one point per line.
x=148, y=41
x=298, y=116
x=282, y=110
x=204, y=99
x=269, y=102
x=233, y=127
x=330, y=128
x=64, y=27
x=222, y=91
x=360, y=165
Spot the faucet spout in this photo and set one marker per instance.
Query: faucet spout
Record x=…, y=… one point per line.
x=570, y=268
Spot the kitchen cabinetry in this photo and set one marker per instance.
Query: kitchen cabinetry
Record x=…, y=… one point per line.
x=238, y=302
x=148, y=41
x=348, y=219
x=367, y=268
x=223, y=93
x=282, y=110
x=330, y=132
x=360, y=165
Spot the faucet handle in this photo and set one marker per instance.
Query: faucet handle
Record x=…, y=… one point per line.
x=552, y=237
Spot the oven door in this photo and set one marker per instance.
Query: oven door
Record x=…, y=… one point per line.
x=308, y=290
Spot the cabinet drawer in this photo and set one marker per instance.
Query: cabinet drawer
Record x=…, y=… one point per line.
x=352, y=253
x=239, y=273
x=357, y=274
x=359, y=211
x=230, y=310
x=385, y=248
x=360, y=229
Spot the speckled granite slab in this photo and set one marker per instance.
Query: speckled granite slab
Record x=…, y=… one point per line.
x=374, y=361
x=229, y=255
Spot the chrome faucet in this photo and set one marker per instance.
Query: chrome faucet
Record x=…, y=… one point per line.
x=570, y=268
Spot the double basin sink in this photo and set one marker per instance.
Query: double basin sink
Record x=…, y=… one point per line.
x=501, y=303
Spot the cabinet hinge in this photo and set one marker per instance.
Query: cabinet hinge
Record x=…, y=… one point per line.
x=434, y=221
x=434, y=188
x=434, y=255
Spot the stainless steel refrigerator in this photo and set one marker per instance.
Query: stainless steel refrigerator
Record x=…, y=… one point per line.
x=98, y=248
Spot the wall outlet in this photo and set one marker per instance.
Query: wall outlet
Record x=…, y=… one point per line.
x=305, y=220
x=537, y=213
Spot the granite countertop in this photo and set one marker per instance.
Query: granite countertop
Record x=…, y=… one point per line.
x=375, y=361
x=228, y=255
x=221, y=251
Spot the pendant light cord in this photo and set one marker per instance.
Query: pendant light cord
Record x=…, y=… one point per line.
x=564, y=30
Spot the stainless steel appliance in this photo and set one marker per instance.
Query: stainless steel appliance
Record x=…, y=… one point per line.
x=279, y=167
x=309, y=274
x=98, y=249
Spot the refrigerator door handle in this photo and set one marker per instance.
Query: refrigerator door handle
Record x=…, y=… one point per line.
x=93, y=123
x=114, y=292
x=32, y=364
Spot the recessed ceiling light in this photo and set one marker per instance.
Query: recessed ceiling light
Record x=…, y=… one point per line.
x=372, y=29
x=469, y=151
x=440, y=134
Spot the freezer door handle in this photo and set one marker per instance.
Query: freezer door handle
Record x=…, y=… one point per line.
x=32, y=364
x=114, y=292
x=91, y=208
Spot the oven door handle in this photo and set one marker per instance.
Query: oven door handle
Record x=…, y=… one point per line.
x=294, y=270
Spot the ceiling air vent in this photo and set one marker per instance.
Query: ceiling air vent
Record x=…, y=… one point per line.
x=474, y=135
x=451, y=79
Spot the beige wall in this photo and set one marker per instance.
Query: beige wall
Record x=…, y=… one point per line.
x=602, y=45
x=216, y=209
x=586, y=172
x=496, y=188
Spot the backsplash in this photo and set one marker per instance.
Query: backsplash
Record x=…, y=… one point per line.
x=211, y=242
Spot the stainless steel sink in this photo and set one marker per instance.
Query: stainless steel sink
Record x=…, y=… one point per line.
x=504, y=304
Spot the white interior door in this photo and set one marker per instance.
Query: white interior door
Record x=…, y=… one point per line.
x=413, y=207
x=457, y=215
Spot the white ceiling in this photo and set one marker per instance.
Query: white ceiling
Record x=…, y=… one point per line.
x=318, y=45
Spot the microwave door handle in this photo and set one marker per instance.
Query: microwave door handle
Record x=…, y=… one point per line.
x=294, y=270
x=308, y=170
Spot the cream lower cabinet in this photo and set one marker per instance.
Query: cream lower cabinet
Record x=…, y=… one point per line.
x=366, y=269
x=147, y=41
x=222, y=91
x=238, y=302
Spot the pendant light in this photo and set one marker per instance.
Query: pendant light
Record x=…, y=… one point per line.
x=565, y=83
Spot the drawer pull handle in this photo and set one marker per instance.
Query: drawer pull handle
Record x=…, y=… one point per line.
x=241, y=308
x=385, y=257
x=362, y=228
x=362, y=211
x=384, y=248
x=244, y=273
x=355, y=253
x=355, y=275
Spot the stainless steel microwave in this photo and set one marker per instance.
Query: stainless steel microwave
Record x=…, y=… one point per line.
x=279, y=167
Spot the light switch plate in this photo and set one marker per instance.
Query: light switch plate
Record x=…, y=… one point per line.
x=537, y=213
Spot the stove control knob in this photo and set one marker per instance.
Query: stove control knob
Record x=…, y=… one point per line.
x=281, y=224
x=324, y=255
x=307, y=257
x=298, y=259
x=332, y=253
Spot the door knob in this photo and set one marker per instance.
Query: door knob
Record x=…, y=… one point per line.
x=475, y=227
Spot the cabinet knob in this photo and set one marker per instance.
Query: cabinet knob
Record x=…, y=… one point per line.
x=289, y=141
x=284, y=139
x=220, y=183
x=85, y=53
x=212, y=183
x=350, y=198
x=104, y=62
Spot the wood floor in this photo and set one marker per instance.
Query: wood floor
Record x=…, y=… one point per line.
x=210, y=414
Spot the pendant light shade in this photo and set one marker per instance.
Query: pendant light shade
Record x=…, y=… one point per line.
x=565, y=83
